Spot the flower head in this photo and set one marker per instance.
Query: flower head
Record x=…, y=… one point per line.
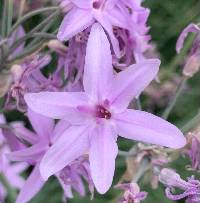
x=191, y=187
x=99, y=114
x=39, y=142
x=192, y=63
x=111, y=15
x=132, y=193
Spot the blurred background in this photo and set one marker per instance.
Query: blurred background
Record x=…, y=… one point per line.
x=167, y=19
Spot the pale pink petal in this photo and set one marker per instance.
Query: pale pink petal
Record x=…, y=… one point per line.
x=131, y=82
x=32, y=186
x=59, y=129
x=98, y=71
x=145, y=127
x=102, y=154
x=103, y=20
x=83, y=3
x=42, y=125
x=190, y=28
x=72, y=144
x=74, y=22
x=57, y=105
x=117, y=18
x=66, y=188
x=32, y=153
x=23, y=133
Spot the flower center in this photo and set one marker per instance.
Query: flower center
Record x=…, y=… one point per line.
x=97, y=4
x=102, y=112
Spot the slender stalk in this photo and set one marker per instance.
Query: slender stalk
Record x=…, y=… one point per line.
x=192, y=123
x=27, y=52
x=9, y=15
x=30, y=34
x=173, y=101
x=138, y=103
x=31, y=14
x=3, y=26
x=21, y=8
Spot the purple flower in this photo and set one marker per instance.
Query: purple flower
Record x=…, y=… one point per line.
x=132, y=193
x=194, y=150
x=110, y=14
x=100, y=113
x=28, y=77
x=46, y=134
x=11, y=171
x=191, y=187
x=193, y=60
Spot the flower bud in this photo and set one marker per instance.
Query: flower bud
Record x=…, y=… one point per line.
x=16, y=71
x=192, y=65
x=170, y=178
x=57, y=46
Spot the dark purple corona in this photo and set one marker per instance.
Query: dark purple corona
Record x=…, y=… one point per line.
x=96, y=4
x=102, y=112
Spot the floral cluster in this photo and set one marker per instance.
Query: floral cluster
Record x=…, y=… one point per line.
x=75, y=91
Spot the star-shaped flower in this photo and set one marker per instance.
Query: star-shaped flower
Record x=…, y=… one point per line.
x=99, y=114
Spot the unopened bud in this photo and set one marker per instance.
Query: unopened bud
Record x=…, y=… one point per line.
x=57, y=46
x=5, y=81
x=65, y=5
x=192, y=65
x=16, y=71
x=170, y=178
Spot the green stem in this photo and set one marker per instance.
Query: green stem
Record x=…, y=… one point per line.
x=27, y=52
x=31, y=14
x=31, y=33
x=11, y=196
x=172, y=103
x=3, y=28
x=192, y=123
x=138, y=103
x=9, y=15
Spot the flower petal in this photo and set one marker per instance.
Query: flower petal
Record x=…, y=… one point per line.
x=103, y=151
x=98, y=69
x=31, y=187
x=145, y=127
x=82, y=3
x=42, y=125
x=57, y=104
x=103, y=20
x=74, y=22
x=32, y=153
x=72, y=144
x=131, y=82
x=190, y=28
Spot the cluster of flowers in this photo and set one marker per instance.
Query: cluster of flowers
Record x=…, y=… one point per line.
x=78, y=111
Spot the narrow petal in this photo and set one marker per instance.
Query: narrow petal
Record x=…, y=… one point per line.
x=145, y=127
x=57, y=105
x=59, y=129
x=103, y=20
x=131, y=82
x=74, y=22
x=98, y=69
x=42, y=125
x=102, y=154
x=23, y=133
x=82, y=3
x=72, y=144
x=190, y=28
x=117, y=18
x=32, y=186
x=32, y=153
